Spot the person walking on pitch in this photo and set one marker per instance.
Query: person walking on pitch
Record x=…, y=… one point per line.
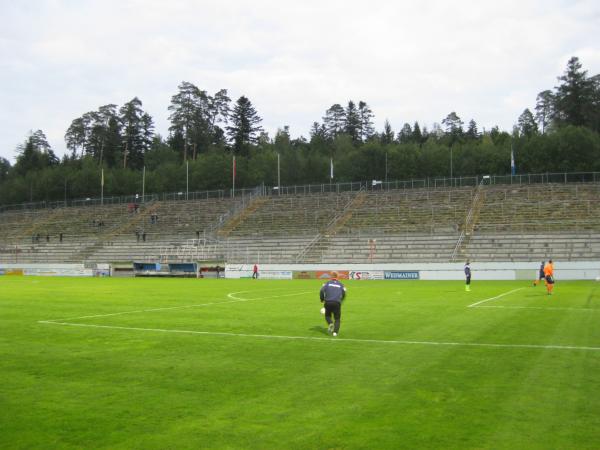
x=541, y=275
x=549, y=274
x=332, y=295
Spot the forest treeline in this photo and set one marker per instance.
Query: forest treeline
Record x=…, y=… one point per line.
x=561, y=133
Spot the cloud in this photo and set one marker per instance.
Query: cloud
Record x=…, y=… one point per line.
x=408, y=60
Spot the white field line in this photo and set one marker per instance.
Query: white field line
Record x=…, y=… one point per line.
x=167, y=308
x=233, y=296
x=494, y=298
x=545, y=308
x=328, y=339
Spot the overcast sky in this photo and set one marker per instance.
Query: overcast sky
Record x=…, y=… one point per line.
x=416, y=60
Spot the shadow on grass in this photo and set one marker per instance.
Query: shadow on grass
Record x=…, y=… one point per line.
x=321, y=330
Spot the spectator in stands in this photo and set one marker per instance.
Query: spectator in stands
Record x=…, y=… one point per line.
x=541, y=275
x=47, y=237
x=144, y=236
x=549, y=274
x=255, y=272
x=467, y=276
x=60, y=237
x=137, y=235
x=332, y=295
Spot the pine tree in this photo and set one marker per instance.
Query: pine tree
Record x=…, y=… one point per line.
x=365, y=116
x=406, y=134
x=472, y=132
x=526, y=124
x=186, y=111
x=453, y=126
x=334, y=120
x=417, y=136
x=35, y=154
x=573, y=96
x=544, y=108
x=387, y=136
x=245, y=126
x=137, y=133
x=352, y=125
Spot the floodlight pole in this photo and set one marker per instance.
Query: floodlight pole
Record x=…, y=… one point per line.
x=386, y=166
x=278, y=176
x=451, y=183
x=143, y=184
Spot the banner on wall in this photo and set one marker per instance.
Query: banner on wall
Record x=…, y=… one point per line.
x=319, y=274
x=275, y=274
x=304, y=275
x=366, y=275
x=59, y=272
x=326, y=274
x=13, y=272
x=401, y=275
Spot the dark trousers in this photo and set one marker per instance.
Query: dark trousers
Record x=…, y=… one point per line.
x=335, y=309
x=468, y=280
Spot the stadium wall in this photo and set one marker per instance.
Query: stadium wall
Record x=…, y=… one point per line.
x=49, y=270
x=568, y=270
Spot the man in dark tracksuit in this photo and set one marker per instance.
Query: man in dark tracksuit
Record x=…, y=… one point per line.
x=467, y=277
x=332, y=294
x=541, y=275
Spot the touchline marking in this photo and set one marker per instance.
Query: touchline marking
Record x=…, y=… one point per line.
x=328, y=339
x=545, y=308
x=494, y=298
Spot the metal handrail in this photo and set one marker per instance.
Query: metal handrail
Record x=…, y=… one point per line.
x=423, y=183
x=468, y=220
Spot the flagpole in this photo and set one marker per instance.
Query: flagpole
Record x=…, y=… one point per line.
x=143, y=183
x=233, y=176
x=451, y=165
x=101, y=187
x=512, y=161
x=187, y=179
x=386, y=167
x=278, y=176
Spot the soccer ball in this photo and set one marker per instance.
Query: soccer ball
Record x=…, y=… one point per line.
x=322, y=310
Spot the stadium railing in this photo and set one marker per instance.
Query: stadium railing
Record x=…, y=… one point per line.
x=423, y=183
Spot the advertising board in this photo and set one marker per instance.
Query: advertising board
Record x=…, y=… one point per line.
x=401, y=275
x=366, y=275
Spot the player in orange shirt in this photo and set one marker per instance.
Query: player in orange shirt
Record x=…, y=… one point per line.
x=549, y=274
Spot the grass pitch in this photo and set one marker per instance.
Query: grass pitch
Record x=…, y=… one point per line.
x=186, y=364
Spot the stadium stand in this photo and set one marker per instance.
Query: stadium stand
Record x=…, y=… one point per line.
x=527, y=222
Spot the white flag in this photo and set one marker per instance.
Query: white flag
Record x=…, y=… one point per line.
x=331, y=168
x=513, y=169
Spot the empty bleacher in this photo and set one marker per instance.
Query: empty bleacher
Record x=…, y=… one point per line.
x=513, y=223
